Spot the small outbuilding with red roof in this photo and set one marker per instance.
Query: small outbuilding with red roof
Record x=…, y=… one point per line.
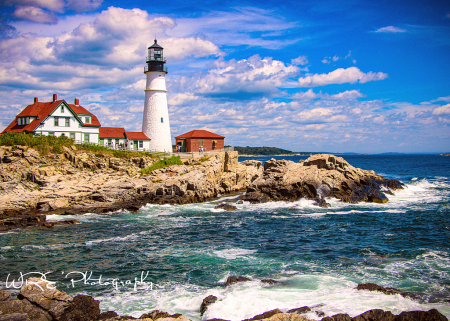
x=193, y=140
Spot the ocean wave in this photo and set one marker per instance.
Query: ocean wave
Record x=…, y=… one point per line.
x=232, y=254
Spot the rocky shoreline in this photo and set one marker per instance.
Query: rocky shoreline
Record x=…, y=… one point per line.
x=33, y=186
x=39, y=300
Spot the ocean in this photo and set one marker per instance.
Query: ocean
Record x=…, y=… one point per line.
x=170, y=257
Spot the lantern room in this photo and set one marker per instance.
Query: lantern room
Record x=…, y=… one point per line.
x=155, y=58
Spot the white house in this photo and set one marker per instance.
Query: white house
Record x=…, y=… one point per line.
x=58, y=118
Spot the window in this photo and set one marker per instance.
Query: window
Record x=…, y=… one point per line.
x=67, y=122
x=51, y=134
x=117, y=142
x=162, y=120
x=141, y=144
x=109, y=141
x=86, y=138
x=101, y=141
x=72, y=135
x=62, y=109
x=56, y=122
x=200, y=143
x=87, y=120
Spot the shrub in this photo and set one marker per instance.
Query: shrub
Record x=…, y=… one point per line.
x=174, y=160
x=43, y=144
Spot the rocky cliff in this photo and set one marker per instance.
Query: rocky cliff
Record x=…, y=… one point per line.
x=318, y=177
x=77, y=182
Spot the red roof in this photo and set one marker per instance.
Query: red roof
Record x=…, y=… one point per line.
x=42, y=111
x=199, y=134
x=136, y=135
x=111, y=132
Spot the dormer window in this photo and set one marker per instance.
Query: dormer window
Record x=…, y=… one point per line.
x=87, y=120
x=62, y=109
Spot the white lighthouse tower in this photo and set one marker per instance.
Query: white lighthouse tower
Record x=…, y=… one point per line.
x=155, y=123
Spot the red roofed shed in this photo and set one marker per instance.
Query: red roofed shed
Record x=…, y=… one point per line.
x=193, y=140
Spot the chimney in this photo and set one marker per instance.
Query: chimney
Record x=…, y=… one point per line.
x=77, y=101
x=35, y=99
x=54, y=97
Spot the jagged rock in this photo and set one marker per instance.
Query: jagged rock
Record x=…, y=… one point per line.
x=226, y=207
x=14, y=307
x=338, y=317
x=301, y=310
x=375, y=315
x=233, y=279
x=378, y=288
x=318, y=177
x=83, y=307
x=265, y=315
x=431, y=315
x=4, y=296
x=210, y=299
x=155, y=314
x=107, y=315
x=15, y=317
x=270, y=281
x=45, y=295
x=321, y=203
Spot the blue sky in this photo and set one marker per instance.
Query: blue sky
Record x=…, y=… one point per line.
x=335, y=76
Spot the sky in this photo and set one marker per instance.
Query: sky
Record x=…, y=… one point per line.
x=303, y=75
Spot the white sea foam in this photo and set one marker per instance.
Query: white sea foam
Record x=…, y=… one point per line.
x=232, y=254
x=130, y=237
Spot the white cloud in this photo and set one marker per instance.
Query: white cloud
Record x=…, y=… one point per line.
x=246, y=76
x=441, y=99
x=390, y=29
x=181, y=99
x=341, y=76
x=308, y=95
x=94, y=54
x=54, y=5
x=35, y=14
x=301, y=60
x=335, y=58
x=442, y=110
x=240, y=26
x=326, y=61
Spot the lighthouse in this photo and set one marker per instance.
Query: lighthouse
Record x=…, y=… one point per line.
x=155, y=122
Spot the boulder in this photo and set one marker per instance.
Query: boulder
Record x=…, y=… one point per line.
x=4, y=296
x=210, y=299
x=82, y=307
x=23, y=307
x=301, y=310
x=233, y=279
x=265, y=315
x=375, y=315
x=338, y=317
x=226, y=207
x=43, y=294
x=270, y=281
x=431, y=315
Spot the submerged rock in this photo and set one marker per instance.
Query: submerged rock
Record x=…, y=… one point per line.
x=226, y=207
x=210, y=299
x=233, y=279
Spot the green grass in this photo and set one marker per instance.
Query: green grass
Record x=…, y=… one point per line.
x=51, y=144
x=43, y=144
x=174, y=160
